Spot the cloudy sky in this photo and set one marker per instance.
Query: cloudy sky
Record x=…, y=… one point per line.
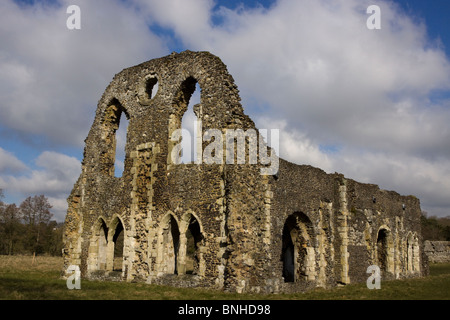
x=371, y=104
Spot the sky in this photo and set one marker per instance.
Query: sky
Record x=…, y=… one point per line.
x=373, y=105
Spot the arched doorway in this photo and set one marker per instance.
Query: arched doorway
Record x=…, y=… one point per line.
x=384, y=247
x=298, y=254
x=169, y=244
x=118, y=237
x=98, y=246
x=191, y=244
x=288, y=258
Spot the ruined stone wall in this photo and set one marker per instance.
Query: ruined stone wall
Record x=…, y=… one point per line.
x=437, y=251
x=343, y=227
x=385, y=231
x=216, y=224
x=306, y=195
x=155, y=195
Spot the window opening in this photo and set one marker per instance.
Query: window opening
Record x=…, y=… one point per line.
x=121, y=140
x=151, y=87
x=189, y=127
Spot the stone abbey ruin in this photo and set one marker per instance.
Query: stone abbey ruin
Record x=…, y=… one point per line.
x=216, y=224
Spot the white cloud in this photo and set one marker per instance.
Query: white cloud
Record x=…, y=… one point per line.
x=427, y=179
x=55, y=177
x=326, y=72
x=323, y=78
x=189, y=19
x=56, y=174
x=51, y=77
x=294, y=145
x=336, y=83
x=59, y=208
x=9, y=163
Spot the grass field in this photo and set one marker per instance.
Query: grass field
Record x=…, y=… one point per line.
x=20, y=279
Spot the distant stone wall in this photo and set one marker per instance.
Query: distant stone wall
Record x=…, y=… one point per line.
x=437, y=251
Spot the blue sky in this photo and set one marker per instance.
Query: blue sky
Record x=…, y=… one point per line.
x=435, y=16
x=371, y=104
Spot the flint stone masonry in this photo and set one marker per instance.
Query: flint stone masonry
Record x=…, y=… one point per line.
x=437, y=251
x=223, y=226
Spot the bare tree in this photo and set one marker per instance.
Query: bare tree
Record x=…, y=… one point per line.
x=36, y=215
x=10, y=218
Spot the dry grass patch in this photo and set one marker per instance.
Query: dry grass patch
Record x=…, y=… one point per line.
x=28, y=263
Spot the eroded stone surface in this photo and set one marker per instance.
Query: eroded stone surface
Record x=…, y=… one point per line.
x=437, y=251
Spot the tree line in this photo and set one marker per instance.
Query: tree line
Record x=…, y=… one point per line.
x=434, y=228
x=29, y=228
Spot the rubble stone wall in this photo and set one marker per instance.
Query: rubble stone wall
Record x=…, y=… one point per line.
x=437, y=251
x=218, y=224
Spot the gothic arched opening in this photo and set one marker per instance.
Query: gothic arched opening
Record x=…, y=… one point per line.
x=151, y=87
x=288, y=257
x=98, y=246
x=184, y=123
x=193, y=241
x=189, y=123
x=384, y=250
x=111, y=124
x=118, y=240
x=170, y=245
x=298, y=255
x=121, y=138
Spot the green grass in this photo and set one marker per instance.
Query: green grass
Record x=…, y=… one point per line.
x=22, y=280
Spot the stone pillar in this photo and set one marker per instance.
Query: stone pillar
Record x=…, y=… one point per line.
x=323, y=244
x=222, y=239
x=342, y=230
x=110, y=253
x=181, y=259
x=144, y=165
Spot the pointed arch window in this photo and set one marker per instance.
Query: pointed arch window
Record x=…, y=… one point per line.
x=114, y=137
x=185, y=118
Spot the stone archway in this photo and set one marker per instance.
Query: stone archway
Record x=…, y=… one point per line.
x=98, y=246
x=169, y=243
x=385, y=250
x=116, y=239
x=110, y=124
x=191, y=245
x=298, y=254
